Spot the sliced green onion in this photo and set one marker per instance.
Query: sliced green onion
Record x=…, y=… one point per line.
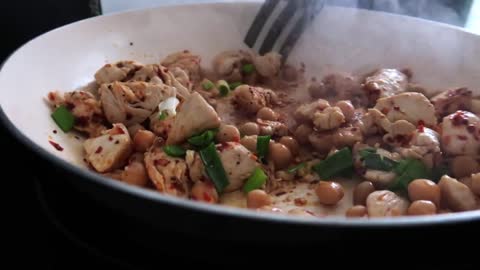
x=248, y=68
x=263, y=143
x=297, y=167
x=203, y=139
x=255, y=181
x=163, y=115
x=234, y=85
x=374, y=161
x=339, y=163
x=223, y=88
x=407, y=171
x=207, y=85
x=174, y=150
x=214, y=167
x=64, y=118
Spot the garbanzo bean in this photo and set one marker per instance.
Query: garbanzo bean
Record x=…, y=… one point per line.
x=250, y=142
x=280, y=155
x=249, y=128
x=356, y=211
x=258, y=198
x=463, y=166
x=424, y=189
x=135, y=174
x=422, y=207
x=347, y=109
x=475, y=186
x=361, y=192
x=204, y=192
x=266, y=113
x=329, y=193
x=227, y=133
x=290, y=143
x=143, y=139
x=302, y=132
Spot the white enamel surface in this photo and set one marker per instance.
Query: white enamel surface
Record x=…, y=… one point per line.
x=341, y=39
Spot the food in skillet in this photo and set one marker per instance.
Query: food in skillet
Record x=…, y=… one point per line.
x=252, y=132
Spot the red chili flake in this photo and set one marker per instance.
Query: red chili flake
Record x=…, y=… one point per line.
x=300, y=201
x=385, y=110
x=471, y=128
x=310, y=212
x=110, y=138
x=462, y=137
x=51, y=96
x=207, y=197
x=421, y=126
x=117, y=142
x=161, y=162
x=224, y=146
x=117, y=130
x=56, y=145
x=55, y=131
x=396, y=108
x=459, y=119
x=99, y=149
x=85, y=160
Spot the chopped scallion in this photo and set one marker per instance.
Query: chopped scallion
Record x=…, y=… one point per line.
x=223, y=88
x=163, y=115
x=174, y=150
x=374, y=161
x=248, y=68
x=203, y=139
x=263, y=143
x=337, y=164
x=207, y=85
x=234, y=85
x=214, y=167
x=255, y=181
x=407, y=171
x=64, y=118
x=296, y=167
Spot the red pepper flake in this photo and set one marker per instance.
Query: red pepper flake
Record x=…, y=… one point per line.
x=51, y=96
x=421, y=126
x=56, y=145
x=54, y=131
x=385, y=110
x=459, y=119
x=300, y=201
x=462, y=137
x=85, y=160
x=396, y=108
x=310, y=212
x=224, y=146
x=110, y=138
x=99, y=149
x=207, y=197
x=117, y=142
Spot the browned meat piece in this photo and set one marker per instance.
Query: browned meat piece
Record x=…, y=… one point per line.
x=452, y=100
x=385, y=83
x=119, y=71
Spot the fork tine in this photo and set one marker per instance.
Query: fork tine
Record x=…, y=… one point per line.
x=278, y=26
x=312, y=8
x=259, y=21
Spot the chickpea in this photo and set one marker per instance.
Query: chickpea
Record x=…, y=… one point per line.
x=266, y=130
x=266, y=113
x=250, y=142
x=132, y=130
x=422, y=207
x=258, y=198
x=361, y=192
x=347, y=109
x=302, y=132
x=290, y=143
x=356, y=211
x=280, y=155
x=424, y=189
x=317, y=89
x=463, y=166
x=227, y=133
x=329, y=193
x=143, y=139
x=205, y=192
x=135, y=174
x=249, y=128
x=475, y=187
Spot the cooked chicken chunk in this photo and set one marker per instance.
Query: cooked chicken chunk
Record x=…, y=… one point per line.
x=251, y=99
x=168, y=174
x=461, y=134
x=132, y=102
x=186, y=61
x=119, y=71
x=229, y=64
x=194, y=116
x=413, y=107
x=384, y=203
x=110, y=150
x=196, y=169
x=239, y=164
x=452, y=100
x=84, y=107
x=385, y=83
x=268, y=65
x=323, y=141
x=304, y=113
x=330, y=118
x=424, y=145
